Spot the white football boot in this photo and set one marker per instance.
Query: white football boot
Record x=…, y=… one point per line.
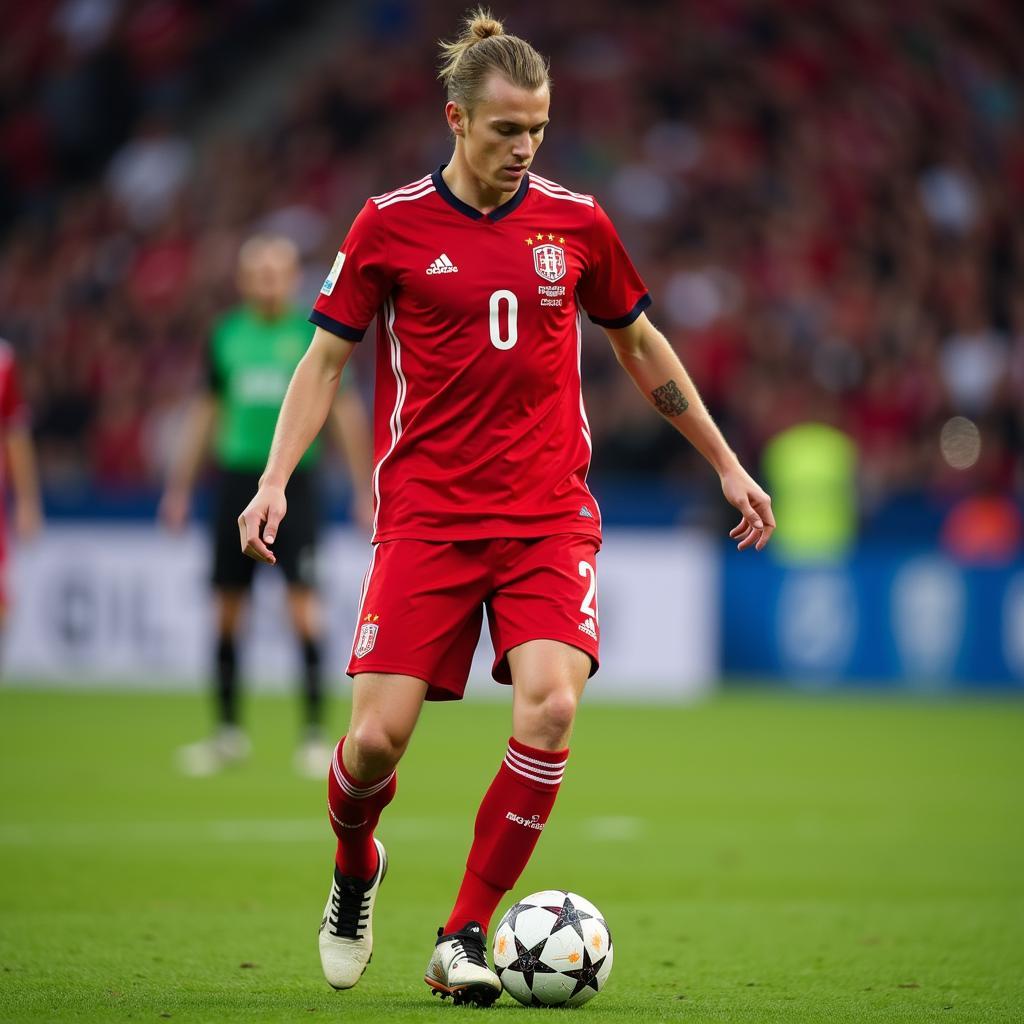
x=346, y=931
x=229, y=745
x=459, y=968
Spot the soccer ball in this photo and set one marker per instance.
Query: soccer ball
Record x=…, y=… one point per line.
x=553, y=949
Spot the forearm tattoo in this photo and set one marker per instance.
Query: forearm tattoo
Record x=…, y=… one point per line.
x=669, y=399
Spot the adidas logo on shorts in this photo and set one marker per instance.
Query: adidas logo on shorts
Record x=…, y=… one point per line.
x=585, y=512
x=442, y=265
x=589, y=628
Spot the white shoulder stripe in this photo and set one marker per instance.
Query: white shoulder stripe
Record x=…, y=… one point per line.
x=405, y=199
x=568, y=197
x=400, y=191
x=555, y=187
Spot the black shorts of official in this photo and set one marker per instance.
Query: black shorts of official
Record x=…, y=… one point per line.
x=295, y=546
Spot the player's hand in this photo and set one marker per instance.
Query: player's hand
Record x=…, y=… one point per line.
x=259, y=523
x=173, y=510
x=758, y=522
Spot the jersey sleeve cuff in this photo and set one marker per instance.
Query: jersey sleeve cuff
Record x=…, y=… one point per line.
x=328, y=323
x=623, y=321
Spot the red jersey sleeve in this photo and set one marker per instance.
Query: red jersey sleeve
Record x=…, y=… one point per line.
x=13, y=411
x=610, y=289
x=359, y=281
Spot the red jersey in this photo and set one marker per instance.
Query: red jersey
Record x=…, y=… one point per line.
x=479, y=424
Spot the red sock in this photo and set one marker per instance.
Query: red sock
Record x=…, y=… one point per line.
x=508, y=825
x=355, y=808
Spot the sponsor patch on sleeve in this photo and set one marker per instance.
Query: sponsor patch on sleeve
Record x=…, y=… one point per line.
x=332, y=277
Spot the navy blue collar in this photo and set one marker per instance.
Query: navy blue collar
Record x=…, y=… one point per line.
x=470, y=211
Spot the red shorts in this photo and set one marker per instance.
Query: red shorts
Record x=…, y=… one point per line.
x=422, y=605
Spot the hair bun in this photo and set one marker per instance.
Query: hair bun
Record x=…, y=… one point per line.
x=465, y=66
x=483, y=26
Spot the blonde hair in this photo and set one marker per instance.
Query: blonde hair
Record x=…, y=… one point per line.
x=484, y=47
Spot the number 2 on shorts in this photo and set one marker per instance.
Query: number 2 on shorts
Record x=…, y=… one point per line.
x=589, y=607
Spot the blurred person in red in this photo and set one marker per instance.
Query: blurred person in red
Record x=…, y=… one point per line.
x=253, y=351
x=18, y=466
x=477, y=274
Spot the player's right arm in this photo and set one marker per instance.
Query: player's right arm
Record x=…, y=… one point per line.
x=303, y=412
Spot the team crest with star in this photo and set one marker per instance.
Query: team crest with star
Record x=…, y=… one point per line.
x=548, y=257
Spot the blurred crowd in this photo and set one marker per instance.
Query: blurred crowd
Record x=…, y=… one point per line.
x=826, y=200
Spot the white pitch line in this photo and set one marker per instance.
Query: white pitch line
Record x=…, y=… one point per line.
x=252, y=830
x=266, y=830
x=616, y=830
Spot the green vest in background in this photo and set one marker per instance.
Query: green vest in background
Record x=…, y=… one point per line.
x=251, y=362
x=811, y=474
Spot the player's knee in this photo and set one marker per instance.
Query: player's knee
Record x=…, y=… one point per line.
x=553, y=717
x=374, y=747
x=560, y=710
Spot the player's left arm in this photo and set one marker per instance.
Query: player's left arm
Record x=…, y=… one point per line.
x=21, y=460
x=646, y=355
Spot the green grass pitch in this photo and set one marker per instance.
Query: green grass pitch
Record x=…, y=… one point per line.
x=759, y=858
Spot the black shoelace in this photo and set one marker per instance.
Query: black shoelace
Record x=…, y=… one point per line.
x=348, y=902
x=471, y=944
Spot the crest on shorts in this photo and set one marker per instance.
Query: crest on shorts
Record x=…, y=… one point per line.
x=549, y=262
x=367, y=638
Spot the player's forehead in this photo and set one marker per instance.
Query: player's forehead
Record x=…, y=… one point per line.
x=276, y=255
x=503, y=102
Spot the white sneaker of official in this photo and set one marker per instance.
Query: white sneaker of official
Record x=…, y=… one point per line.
x=346, y=931
x=459, y=968
x=313, y=758
x=228, y=746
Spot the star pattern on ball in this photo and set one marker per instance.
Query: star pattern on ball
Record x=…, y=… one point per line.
x=586, y=975
x=528, y=961
x=513, y=915
x=569, y=916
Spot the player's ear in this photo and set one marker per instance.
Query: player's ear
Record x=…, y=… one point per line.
x=456, y=117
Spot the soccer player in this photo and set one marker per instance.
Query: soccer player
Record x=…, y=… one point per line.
x=253, y=352
x=477, y=274
x=18, y=463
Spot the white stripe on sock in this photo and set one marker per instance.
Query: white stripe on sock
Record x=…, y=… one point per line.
x=555, y=772
x=530, y=761
x=552, y=782
x=356, y=792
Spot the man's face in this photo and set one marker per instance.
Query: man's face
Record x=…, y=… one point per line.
x=503, y=133
x=268, y=275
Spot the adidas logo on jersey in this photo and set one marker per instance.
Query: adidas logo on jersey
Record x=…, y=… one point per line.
x=585, y=512
x=442, y=265
x=589, y=628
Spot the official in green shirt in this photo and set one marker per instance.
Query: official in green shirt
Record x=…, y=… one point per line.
x=811, y=469
x=252, y=354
